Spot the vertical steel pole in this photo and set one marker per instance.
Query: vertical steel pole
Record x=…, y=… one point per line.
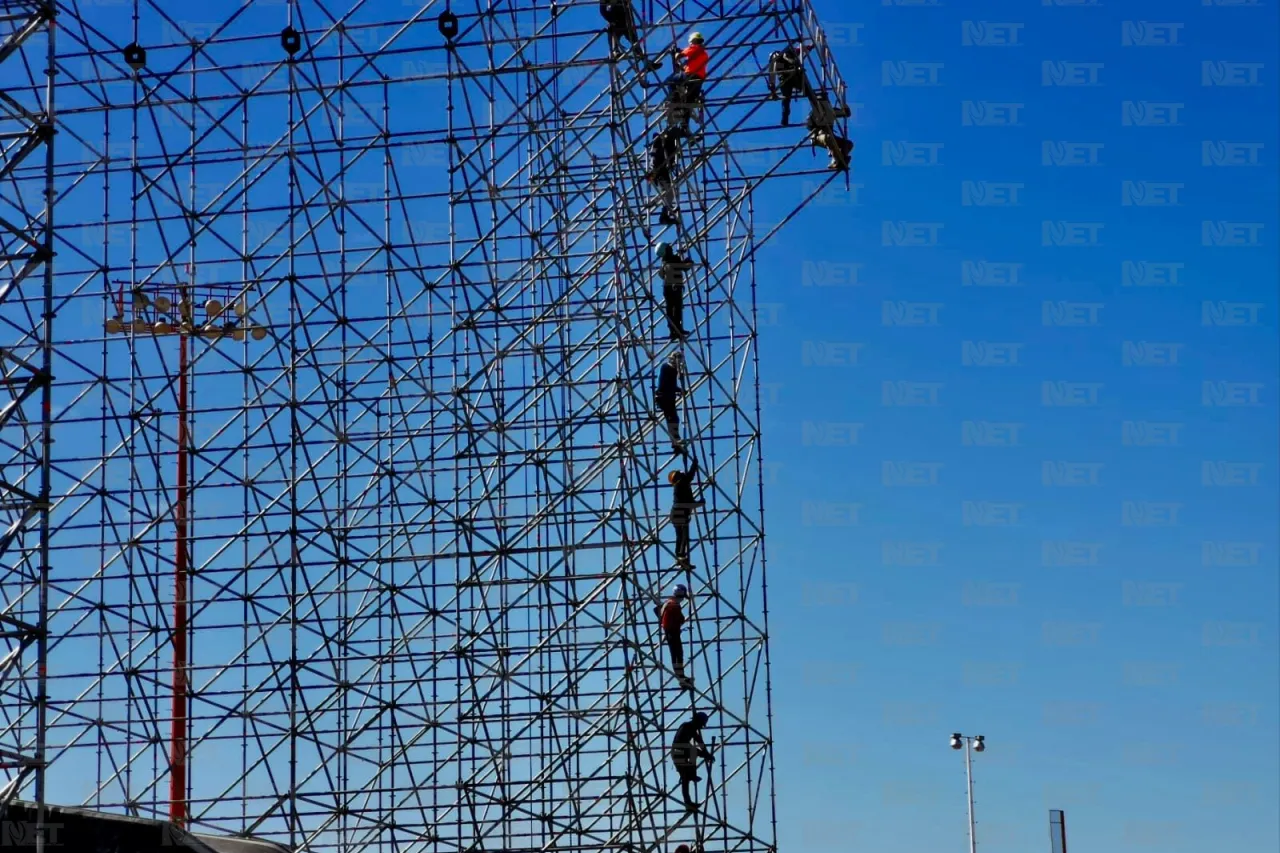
x=178, y=733
x=45, y=500
x=968, y=778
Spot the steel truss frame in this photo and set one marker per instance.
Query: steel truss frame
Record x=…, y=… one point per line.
x=27, y=48
x=411, y=498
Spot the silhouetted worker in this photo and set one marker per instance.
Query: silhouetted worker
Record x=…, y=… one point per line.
x=622, y=25
x=686, y=748
x=785, y=75
x=821, y=125
x=683, y=504
x=685, y=86
x=674, y=266
x=671, y=618
x=665, y=395
x=664, y=152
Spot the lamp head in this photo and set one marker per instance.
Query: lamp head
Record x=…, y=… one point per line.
x=956, y=741
x=979, y=744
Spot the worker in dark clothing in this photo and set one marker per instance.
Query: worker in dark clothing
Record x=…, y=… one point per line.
x=671, y=618
x=665, y=396
x=682, y=506
x=664, y=152
x=685, y=85
x=686, y=748
x=621, y=19
x=821, y=125
x=785, y=76
x=674, y=266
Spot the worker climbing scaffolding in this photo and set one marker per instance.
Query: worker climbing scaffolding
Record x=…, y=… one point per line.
x=621, y=20
x=683, y=503
x=684, y=87
x=672, y=270
x=821, y=126
x=664, y=156
x=785, y=76
x=665, y=396
x=686, y=749
x=671, y=619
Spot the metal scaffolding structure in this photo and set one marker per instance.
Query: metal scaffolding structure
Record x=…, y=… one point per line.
x=27, y=48
x=357, y=517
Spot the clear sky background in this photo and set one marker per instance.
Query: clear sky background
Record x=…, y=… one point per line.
x=1108, y=622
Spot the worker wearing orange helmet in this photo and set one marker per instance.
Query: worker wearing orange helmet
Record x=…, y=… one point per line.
x=683, y=504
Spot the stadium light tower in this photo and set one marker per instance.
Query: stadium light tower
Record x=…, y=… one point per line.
x=157, y=314
x=970, y=744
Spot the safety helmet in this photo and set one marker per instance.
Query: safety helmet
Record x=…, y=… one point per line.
x=695, y=38
x=681, y=591
x=671, y=478
x=700, y=718
x=683, y=848
x=661, y=248
x=675, y=359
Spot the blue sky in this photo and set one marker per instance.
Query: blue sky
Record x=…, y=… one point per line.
x=1098, y=595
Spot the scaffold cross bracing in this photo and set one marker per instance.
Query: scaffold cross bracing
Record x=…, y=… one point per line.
x=381, y=431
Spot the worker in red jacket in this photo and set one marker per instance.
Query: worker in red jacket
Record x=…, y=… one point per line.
x=685, y=86
x=672, y=620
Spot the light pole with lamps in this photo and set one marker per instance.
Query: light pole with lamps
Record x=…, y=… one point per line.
x=158, y=316
x=977, y=744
